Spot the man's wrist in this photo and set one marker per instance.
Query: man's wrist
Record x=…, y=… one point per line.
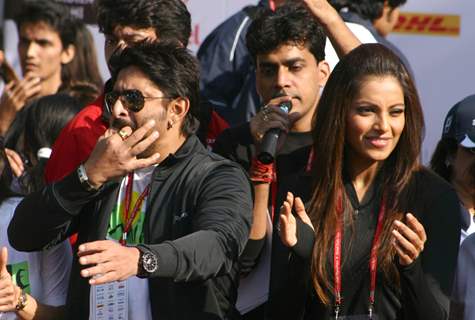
x=85, y=179
x=94, y=179
x=147, y=262
x=134, y=258
x=22, y=300
x=328, y=16
x=261, y=173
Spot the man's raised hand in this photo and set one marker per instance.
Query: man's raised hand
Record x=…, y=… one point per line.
x=116, y=154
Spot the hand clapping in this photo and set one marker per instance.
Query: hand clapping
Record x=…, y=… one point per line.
x=288, y=223
x=408, y=239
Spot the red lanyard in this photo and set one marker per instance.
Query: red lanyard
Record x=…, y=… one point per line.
x=129, y=217
x=373, y=262
x=272, y=5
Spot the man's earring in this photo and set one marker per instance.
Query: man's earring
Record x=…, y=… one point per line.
x=448, y=161
x=169, y=124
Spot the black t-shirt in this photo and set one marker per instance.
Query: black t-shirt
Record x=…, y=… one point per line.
x=292, y=161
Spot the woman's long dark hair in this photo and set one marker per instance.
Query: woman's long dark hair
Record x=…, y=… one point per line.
x=42, y=122
x=81, y=77
x=368, y=60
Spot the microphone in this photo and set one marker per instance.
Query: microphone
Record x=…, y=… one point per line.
x=268, y=145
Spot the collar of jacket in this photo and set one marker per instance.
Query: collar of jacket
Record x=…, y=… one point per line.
x=187, y=148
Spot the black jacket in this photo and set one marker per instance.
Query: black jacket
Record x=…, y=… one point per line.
x=197, y=222
x=227, y=78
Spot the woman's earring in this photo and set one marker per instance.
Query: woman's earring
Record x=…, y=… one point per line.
x=169, y=125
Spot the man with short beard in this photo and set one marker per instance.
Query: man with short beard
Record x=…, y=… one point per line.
x=124, y=23
x=288, y=49
x=153, y=208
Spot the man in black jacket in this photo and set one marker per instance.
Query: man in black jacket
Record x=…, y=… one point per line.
x=287, y=46
x=227, y=75
x=150, y=202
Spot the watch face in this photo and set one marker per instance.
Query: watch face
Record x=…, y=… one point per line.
x=149, y=262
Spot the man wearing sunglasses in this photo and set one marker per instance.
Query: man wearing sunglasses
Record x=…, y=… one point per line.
x=160, y=220
x=124, y=23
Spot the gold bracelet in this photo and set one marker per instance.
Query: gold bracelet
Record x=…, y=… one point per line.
x=21, y=301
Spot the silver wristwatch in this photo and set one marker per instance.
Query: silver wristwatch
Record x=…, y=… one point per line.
x=148, y=263
x=84, y=180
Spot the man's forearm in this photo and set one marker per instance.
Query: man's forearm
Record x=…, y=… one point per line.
x=260, y=211
x=341, y=37
x=6, y=119
x=48, y=216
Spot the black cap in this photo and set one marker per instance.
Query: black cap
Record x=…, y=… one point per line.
x=460, y=123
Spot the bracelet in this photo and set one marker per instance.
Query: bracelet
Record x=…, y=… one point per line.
x=260, y=172
x=21, y=301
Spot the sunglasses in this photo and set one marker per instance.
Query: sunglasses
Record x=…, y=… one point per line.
x=132, y=100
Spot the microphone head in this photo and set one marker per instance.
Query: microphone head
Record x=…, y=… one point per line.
x=286, y=106
x=269, y=141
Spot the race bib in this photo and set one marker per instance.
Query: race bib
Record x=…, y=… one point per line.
x=109, y=301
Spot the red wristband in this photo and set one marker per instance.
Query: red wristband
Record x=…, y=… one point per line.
x=260, y=172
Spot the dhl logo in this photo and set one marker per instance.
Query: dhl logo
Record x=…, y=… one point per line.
x=428, y=24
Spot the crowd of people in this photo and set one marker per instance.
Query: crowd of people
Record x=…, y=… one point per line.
x=276, y=175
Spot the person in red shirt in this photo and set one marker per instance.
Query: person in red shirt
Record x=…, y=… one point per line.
x=124, y=23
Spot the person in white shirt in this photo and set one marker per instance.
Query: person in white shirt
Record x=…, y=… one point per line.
x=33, y=285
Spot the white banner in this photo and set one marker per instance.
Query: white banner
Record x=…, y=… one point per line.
x=439, y=42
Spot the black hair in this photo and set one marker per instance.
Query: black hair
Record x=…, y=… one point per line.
x=46, y=117
x=171, y=67
x=84, y=92
x=43, y=120
x=440, y=162
x=396, y=3
x=54, y=14
x=366, y=9
x=291, y=23
x=170, y=18
x=444, y=153
x=83, y=68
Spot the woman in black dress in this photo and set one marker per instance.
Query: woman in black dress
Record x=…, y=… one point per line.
x=380, y=240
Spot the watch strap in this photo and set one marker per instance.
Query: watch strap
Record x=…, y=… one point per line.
x=84, y=179
x=148, y=262
x=22, y=299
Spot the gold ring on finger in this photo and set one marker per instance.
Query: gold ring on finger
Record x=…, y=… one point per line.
x=123, y=134
x=260, y=135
